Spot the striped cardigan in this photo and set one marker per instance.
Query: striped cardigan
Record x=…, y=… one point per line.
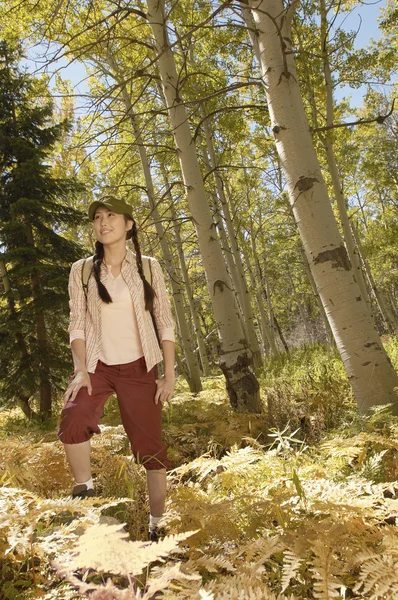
x=85, y=316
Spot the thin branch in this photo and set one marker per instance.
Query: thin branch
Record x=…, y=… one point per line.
x=379, y=119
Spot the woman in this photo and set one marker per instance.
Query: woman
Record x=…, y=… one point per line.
x=115, y=350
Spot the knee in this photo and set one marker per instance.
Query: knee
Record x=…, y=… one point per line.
x=154, y=462
x=76, y=425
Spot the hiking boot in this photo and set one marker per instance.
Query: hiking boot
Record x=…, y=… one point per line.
x=82, y=491
x=157, y=534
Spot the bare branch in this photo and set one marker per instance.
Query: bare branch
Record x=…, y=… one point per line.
x=379, y=119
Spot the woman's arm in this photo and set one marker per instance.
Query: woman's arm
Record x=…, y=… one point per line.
x=77, y=305
x=167, y=382
x=78, y=347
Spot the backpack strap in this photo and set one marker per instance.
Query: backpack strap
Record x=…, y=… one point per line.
x=146, y=266
x=87, y=270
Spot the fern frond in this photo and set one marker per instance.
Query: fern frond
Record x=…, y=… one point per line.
x=261, y=549
x=104, y=548
x=291, y=566
x=170, y=573
x=212, y=564
x=243, y=587
x=326, y=585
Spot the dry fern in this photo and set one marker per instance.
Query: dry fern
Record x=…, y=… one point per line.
x=106, y=548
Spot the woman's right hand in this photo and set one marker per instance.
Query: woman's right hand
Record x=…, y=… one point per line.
x=80, y=379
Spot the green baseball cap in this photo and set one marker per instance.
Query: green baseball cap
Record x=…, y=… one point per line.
x=117, y=205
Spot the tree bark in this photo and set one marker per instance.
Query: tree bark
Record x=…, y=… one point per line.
x=242, y=385
x=368, y=367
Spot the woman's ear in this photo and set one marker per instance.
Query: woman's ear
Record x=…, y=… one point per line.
x=129, y=225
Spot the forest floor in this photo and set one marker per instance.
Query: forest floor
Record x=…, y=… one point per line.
x=298, y=503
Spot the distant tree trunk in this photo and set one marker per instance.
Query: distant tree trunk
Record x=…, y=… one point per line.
x=242, y=385
x=327, y=141
x=266, y=332
x=326, y=326
x=385, y=311
x=22, y=398
x=300, y=307
x=218, y=221
x=188, y=290
x=42, y=337
x=262, y=277
x=243, y=291
x=368, y=367
x=192, y=367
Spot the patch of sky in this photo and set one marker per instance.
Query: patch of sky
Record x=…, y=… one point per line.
x=363, y=18
x=50, y=59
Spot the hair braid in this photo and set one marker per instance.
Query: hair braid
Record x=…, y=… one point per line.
x=149, y=292
x=97, y=262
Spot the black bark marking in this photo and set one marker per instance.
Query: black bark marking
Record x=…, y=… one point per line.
x=277, y=129
x=358, y=299
x=371, y=345
x=243, y=391
x=338, y=257
x=365, y=364
x=306, y=183
x=220, y=285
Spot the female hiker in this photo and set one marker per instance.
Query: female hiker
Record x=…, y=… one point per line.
x=113, y=322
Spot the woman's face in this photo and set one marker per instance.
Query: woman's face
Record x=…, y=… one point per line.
x=110, y=227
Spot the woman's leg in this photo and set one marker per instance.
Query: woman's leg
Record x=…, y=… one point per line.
x=157, y=487
x=142, y=420
x=79, y=421
x=78, y=456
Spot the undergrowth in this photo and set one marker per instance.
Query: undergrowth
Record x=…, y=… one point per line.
x=298, y=503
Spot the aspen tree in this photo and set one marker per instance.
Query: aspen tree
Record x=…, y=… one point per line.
x=192, y=366
x=242, y=385
x=243, y=291
x=327, y=140
x=188, y=288
x=368, y=367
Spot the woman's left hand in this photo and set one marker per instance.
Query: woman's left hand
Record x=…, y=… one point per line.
x=165, y=389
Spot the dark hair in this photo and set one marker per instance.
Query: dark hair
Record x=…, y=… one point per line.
x=149, y=292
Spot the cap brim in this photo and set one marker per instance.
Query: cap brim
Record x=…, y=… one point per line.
x=121, y=210
x=92, y=208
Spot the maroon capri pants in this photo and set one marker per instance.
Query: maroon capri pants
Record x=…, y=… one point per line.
x=135, y=389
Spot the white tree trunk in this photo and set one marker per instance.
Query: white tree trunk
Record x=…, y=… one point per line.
x=188, y=290
x=227, y=252
x=368, y=368
x=266, y=332
x=385, y=310
x=243, y=290
x=242, y=385
x=192, y=366
x=327, y=141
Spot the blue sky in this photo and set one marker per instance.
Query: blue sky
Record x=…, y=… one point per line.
x=365, y=15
